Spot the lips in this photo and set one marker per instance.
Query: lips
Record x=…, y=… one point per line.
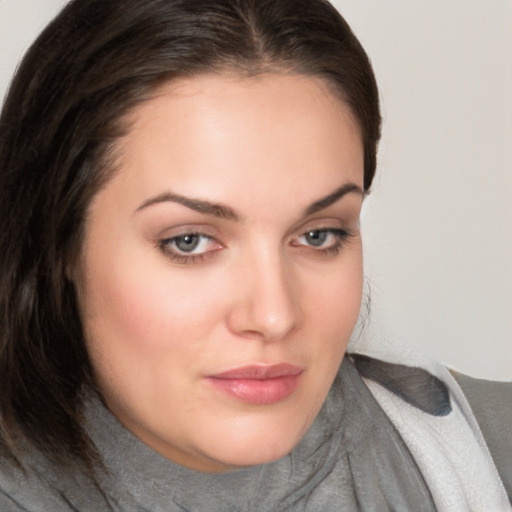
x=258, y=384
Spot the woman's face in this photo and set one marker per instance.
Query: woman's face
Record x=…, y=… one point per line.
x=221, y=272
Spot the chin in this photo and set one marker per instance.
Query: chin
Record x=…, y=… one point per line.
x=253, y=445
x=245, y=458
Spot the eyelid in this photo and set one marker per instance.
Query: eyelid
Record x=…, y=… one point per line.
x=342, y=237
x=187, y=229
x=164, y=245
x=330, y=230
x=327, y=223
x=340, y=218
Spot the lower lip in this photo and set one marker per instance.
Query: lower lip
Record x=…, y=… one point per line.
x=258, y=391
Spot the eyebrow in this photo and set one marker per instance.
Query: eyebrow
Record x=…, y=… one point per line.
x=326, y=201
x=199, y=205
x=226, y=212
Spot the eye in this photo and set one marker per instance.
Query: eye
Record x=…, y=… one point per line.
x=189, y=247
x=189, y=243
x=317, y=238
x=325, y=240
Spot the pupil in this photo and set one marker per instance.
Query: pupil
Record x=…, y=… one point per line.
x=187, y=243
x=316, y=238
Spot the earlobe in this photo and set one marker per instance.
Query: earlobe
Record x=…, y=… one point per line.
x=72, y=262
x=70, y=269
x=69, y=272
x=72, y=272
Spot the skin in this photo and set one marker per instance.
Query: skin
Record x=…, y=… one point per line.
x=158, y=322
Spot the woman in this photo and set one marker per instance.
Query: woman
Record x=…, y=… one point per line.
x=182, y=270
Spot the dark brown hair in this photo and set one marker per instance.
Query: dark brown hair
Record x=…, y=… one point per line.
x=94, y=63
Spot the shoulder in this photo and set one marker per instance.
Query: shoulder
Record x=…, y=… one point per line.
x=37, y=485
x=20, y=488
x=491, y=403
x=27, y=489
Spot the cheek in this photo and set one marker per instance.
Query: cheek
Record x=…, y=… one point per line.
x=143, y=307
x=144, y=330
x=336, y=298
x=331, y=307
x=143, y=316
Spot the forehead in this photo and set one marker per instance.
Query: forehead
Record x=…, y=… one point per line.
x=214, y=136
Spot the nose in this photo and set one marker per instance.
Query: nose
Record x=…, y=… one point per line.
x=267, y=302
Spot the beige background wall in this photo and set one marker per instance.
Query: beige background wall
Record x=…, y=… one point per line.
x=438, y=225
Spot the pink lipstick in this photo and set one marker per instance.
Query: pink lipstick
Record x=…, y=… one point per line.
x=258, y=384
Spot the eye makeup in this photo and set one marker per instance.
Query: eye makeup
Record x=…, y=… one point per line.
x=189, y=247
x=195, y=247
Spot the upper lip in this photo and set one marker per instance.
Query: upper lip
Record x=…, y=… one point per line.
x=260, y=372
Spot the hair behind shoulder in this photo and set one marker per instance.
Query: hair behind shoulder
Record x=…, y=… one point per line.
x=61, y=118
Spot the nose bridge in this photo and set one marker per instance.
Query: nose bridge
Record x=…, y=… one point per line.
x=268, y=306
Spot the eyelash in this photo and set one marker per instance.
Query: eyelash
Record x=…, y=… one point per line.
x=342, y=237
x=184, y=258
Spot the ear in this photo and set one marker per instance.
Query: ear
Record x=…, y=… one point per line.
x=70, y=269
